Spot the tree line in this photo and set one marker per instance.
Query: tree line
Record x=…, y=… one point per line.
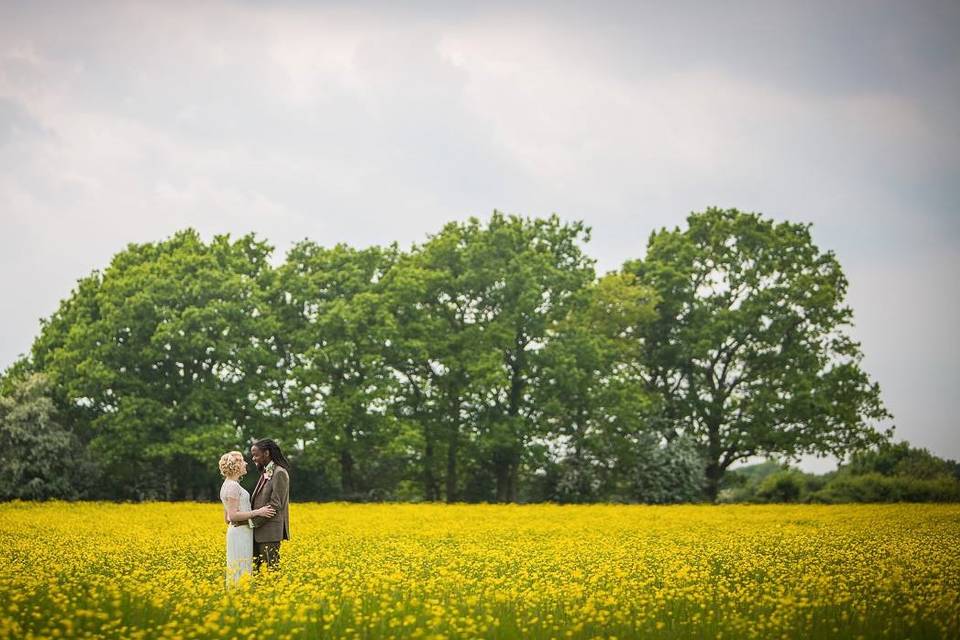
x=887, y=472
x=491, y=362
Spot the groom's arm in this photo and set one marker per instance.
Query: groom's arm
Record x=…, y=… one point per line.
x=279, y=495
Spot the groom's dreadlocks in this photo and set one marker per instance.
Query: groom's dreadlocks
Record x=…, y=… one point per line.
x=274, y=449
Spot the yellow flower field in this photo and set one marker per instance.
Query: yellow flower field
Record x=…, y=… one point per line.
x=461, y=571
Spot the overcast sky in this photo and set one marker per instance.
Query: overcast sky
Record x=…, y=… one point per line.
x=126, y=122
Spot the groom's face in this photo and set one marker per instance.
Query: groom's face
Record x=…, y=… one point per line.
x=260, y=458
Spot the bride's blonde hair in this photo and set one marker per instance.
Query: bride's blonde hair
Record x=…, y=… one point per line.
x=232, y=464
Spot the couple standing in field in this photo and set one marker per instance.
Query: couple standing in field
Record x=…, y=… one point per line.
x=255, y=524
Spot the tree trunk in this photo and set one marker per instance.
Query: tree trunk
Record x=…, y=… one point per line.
x=503, y=481
x=714, y=471
x=347, y=486
x=431, y=486
x=713, y=480
x=506, y=465
x=453, y=448
x=451, y=479
x=431, y=489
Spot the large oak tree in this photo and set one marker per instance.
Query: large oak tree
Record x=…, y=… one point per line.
x=751, y=352
x=155, y=363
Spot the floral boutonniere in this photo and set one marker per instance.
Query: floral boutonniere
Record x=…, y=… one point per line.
x=268, y=470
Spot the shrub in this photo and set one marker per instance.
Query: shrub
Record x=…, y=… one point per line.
x=783, y=486
x=874, y=487
x=671, y=472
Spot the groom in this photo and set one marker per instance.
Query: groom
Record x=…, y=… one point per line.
x=273, y=488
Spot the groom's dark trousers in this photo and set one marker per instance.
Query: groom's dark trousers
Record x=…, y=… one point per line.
x=268, y=552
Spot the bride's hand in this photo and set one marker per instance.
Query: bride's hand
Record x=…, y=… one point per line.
x=267, y=511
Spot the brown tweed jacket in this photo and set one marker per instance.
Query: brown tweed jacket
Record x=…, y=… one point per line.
x=276, y=492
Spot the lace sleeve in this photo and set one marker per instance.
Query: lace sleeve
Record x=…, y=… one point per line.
x=230, y=490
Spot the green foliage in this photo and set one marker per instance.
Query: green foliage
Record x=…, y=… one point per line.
x=489, y=363
x=888, y=472
x=588, y=396
x=749, y=353
x=893, y=472
x=787, y=485
x=753, y=473
x=672, y=472
x=900, y=459
x=332, y=385
x=473, y=309
x=14, y=375
x=772, y=480
x=42, y=460
x=156, y=362
x=874, y=487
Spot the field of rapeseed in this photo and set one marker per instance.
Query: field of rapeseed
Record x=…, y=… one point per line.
x=431, y=571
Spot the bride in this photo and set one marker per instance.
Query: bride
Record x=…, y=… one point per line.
x=236, y=513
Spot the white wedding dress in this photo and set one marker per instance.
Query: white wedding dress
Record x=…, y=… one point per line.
x=239, y=539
